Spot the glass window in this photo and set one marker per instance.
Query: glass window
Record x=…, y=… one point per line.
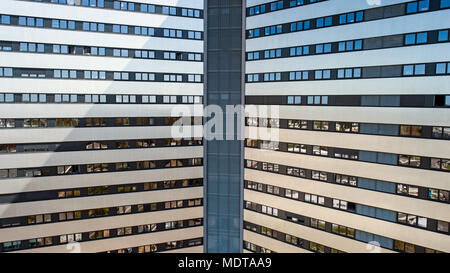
x=411, y=7
x=6, y=19
x=419, y=69
x=445, y=4
x=443, y=35
x=408, y=70
x=410, y=39
x=319, y=22
x=441, y=68
x=424, y=5
x=422, y=38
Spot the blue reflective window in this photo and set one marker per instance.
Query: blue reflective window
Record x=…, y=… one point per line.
x=358, y=45
x=56, y=49
x=144, y=8
x=292, y=51
x=93, y=26
x=293, y=27
x=30, y=22
x=32, y=47
x=349, y=45
x=445, y=4
x=280, y=5
x=319, y=49
x=348, y=73
x=359, y=16
x=23, y=47
x=22, y=21
x=441, y=68
x=408, y=70
x=305, y=50
x=6, y=19
x=341, y=46
x=443, y=35
x=419, y=69
x=273, y=6
x=422, y=38
x=410, y=39
x=350, y=18
x=328, y=21
x=116, y=28
x=318, y=74
x=411, y=7
x=291, y=78
x=424, y=5
x=307, y=24
x=327, y=48
x=319, y=22
x=279, y=29
x=40, y=48
x=342, y=19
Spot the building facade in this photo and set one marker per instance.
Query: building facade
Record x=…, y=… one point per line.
x=89, y=92
x=362, y=161
x=93, y=93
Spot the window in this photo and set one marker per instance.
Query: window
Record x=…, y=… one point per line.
x=418, y=69
x=6, y=19
x=442, y=164
x=408, y=130
x=442, y=226
x=443, y=35
x=407, y=190
x=406, y=160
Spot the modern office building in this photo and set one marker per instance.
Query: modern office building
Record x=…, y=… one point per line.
x=363, y=90
x=355, y=157
x=89, y=91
